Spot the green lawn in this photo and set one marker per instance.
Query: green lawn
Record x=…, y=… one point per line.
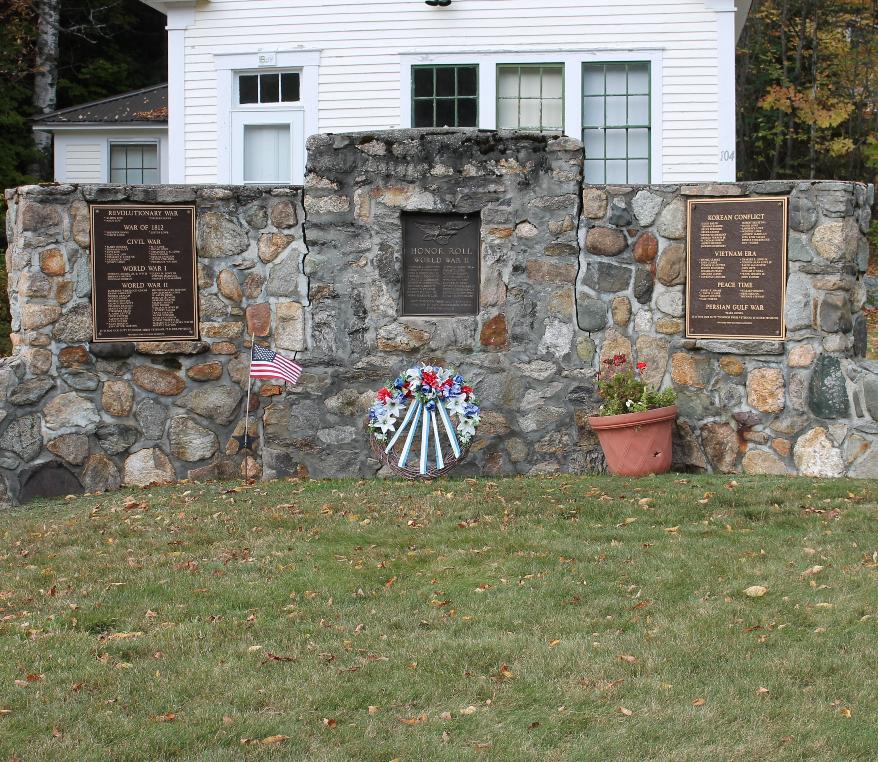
x=510, y=619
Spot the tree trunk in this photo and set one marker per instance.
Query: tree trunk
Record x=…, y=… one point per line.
x=46, y=78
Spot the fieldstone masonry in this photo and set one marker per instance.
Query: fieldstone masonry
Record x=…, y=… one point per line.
x=570, y=274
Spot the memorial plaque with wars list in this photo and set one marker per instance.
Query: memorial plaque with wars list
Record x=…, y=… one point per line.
x=737, y=268
x=144, y=276
x=441, y=264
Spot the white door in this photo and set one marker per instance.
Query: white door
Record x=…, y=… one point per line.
x=268, y=147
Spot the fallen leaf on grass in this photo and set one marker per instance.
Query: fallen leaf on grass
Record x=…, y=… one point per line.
x=553, y=643
x=373, y=709
x=166, y=717
x=533, y=726
x=269, y=656
x=482, y=745
x=413, y=720
x=56, y=733
x=845, y=712
x=762, y=691
x=271, y=740
x=329, y=722
x=812, y=570
x=120, y=636
x=505, y=673
x=445, y=716
x=627, y=658
x=755, y=591
x=4, y=712
x=623, y=711
x=699, y=702
x=469, y=710
x=227, y=720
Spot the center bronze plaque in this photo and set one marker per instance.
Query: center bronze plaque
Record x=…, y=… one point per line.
x=440, y=264
x=737, y=268
x=144, y=278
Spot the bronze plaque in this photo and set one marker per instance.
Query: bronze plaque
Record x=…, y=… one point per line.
x=737, y=268
x=144, y=276
x=441, y=264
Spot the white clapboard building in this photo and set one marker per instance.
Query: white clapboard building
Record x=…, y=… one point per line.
x=648, y=85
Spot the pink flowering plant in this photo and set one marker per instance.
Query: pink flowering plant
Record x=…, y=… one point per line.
x=623, y=389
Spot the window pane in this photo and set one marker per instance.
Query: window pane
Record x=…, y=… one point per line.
x=529, y=114
x=507, y=114
x=638, y=171
x=553, y=115
x=445, y=81
x=133, y=157
x=616, y=110
x=530, y=82
x=594, y=171
x=552, y=82
x=638, y=79
x=638, y=143
x=423, y=114
x=151, y=176
x=616, y=144
x=467, y=112
x=117, y=176
x=593, y=112
x=267, y=153
x=134, y=177
x=269, y=88
x=638, y=109
x=593, y=144
x=617, y=79
x=150, y=157
x=289, y=87
x=507, y=85
x=467, y=80
x=616, y=171
x=117, y=157
x=593, y=80
x=248, y=88
x=445, y=112
x=423, y=83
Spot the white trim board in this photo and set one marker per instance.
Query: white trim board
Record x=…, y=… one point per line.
x=571, y=59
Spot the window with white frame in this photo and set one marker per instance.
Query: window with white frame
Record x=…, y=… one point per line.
x=134, y=163
x=530, y=97
x=266, y=121
x=267, y=88
x=616, y=122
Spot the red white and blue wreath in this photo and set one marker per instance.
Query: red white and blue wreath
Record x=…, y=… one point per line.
x=432, y=405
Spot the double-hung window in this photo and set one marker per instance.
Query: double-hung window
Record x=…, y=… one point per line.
x=530, y=97
x=134, y=163
x=445, y=96
x=616, y=122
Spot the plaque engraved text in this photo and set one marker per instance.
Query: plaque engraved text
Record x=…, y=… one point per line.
x=736, y=279
x=440, y=264
x=144, y=280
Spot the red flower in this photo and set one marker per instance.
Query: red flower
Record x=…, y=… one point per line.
x=641, y=366
x=466, y=389
x=384, y=394
x=619, y=360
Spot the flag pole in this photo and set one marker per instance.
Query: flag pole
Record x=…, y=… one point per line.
x=249, y=385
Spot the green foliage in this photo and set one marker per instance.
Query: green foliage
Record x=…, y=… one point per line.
x=623, y=390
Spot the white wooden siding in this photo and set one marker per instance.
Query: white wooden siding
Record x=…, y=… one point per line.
x=83, y=162
x=360, y=45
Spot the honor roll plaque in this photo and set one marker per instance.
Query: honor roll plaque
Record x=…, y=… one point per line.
x=737, y=268
x=440, y=264
x=144, y=278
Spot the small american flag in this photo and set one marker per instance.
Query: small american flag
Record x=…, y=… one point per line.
x=266, y=363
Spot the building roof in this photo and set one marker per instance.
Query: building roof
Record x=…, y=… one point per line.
x=140, y=107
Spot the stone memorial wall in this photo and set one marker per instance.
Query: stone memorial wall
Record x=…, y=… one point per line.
x=569, y=275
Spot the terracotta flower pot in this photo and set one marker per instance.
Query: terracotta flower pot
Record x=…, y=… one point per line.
x=636, y=444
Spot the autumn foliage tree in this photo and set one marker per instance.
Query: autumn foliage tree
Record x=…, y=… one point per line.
x=807, y=84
